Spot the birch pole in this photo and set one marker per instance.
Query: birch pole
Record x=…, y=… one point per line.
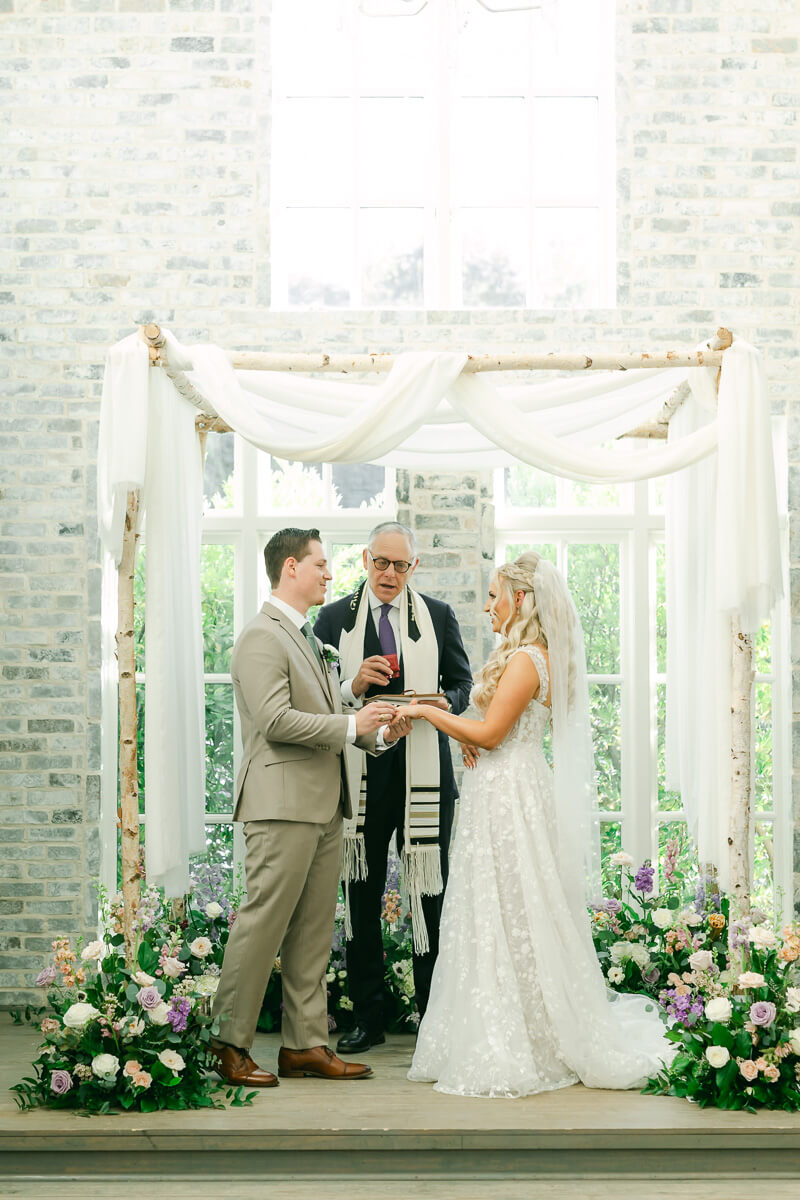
x=128, y=774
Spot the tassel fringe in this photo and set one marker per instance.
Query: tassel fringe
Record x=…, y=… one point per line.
x=422, y=874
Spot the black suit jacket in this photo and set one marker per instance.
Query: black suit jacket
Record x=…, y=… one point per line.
x=454, y=674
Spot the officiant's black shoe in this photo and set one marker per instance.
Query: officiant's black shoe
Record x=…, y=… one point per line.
x=358, y=1040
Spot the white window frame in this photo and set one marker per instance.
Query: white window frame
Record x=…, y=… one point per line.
x=442, y=276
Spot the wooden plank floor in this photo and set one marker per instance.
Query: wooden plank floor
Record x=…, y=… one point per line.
x=390, y=1129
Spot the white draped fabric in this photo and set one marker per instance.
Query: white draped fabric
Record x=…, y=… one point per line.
x=426, y=413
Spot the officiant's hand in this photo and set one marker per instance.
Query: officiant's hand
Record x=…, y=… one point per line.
x=372, y=716
x=375, y=671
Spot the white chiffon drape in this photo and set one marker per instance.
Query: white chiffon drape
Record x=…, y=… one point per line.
x=424, y=413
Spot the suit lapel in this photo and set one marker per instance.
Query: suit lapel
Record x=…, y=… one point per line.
x=297, y=637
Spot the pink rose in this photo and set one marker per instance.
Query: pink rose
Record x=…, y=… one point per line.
x=772, y=1073
x=748, y=1070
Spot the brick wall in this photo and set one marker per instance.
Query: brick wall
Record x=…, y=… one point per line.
x=134, y=185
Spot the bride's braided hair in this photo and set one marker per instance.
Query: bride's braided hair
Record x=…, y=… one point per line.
x=521, y=628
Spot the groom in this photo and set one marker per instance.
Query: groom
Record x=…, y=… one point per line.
x=292, y=794
x=392, y=639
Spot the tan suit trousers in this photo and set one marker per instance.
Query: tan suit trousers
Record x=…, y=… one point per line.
x=292, y=872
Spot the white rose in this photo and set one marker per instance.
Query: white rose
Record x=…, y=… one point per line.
x=793, y=999
x=171, y=1059
x=143, y=978
x=751, y=979
x=794, y=1040
x=93, y=951
x=158, y=1015
x=701, y=960
x=173, y=968
x=717, y=1056
x=691, y=918
x=719, y=1009
x=663, y=918
x=134, y=1027
x=206, y=985
x=105, y=1066
x=762, y=937
x=621, y=859
x=213, y=910
x=200, y=947
x=616, y=975
x=330, y=976
x=78, y=1015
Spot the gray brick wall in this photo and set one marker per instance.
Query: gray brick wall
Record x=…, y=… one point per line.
x=135, y=185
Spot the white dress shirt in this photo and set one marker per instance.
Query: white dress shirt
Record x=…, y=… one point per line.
x=300, y=619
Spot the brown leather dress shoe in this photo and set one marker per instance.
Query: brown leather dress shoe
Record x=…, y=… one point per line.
x=237, y=1067
x=319, y=1061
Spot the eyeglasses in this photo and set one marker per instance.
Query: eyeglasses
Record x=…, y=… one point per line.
x=400, y=565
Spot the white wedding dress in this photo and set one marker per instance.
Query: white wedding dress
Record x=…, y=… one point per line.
x=518, y=1002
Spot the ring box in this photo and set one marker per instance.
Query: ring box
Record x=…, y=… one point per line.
x=394, y=663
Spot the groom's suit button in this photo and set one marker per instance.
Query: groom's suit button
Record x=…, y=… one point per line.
x=321, y=747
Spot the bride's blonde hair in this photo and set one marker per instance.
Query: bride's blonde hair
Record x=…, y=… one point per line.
x=520, y=628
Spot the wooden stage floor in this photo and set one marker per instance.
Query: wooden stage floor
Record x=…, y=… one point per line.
x=375, y=1138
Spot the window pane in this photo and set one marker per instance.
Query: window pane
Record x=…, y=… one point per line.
x=359, y=485
x=313, y=152
x=219, y=747
x=347, y=569
x=219, y=849
x=667, y=801
x=574, y=48
x=493, y=257
x=313, y=48
x=140, y=743
x=493, y=52
x=490, y=152
x=762, y=645
x=604, y=700
x=593, y=576
x=763, y=873
x=568, y=257
x=610, y=838
x=593, y=495
x=218, y=472
x=763, y=747
x=393, y=55
x=392, y=151
x=318, y=248
x=216, y=589
x=546, y=549
x=291, y=486
x=392, y=257
x=661, y=608
x=138, y=606
x=527, y=487
x=565, y=139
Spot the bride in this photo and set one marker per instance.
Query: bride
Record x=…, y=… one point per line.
x=518, y=1003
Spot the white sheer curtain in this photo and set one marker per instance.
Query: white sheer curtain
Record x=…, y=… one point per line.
x=425, y=412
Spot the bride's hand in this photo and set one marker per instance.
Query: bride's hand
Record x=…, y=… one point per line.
x=469, y=755
x=414, y=711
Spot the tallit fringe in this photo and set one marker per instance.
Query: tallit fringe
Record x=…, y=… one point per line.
x=422, y=874
x=354, y=866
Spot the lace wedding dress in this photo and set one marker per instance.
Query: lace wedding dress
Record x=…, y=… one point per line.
x=518, y=1003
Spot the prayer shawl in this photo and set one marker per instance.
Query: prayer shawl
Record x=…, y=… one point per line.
x=421, y=863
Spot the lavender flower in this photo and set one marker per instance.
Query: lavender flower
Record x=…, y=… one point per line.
x=149, y=997
x=643, y=880
x=685, y=1009
x=739, y=934
x=149, y=910
x=60, y=1082
x=612, y=906
x=763, y=1013
x=46, y=977
x=670, y=859
x=210, y=885
x=700, y=896
x=179, y=1013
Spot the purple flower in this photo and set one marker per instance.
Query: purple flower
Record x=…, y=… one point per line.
x=685, y=1010
x=46, y=977
x=670, y=859
x=149, y=997
x=739, y=934
x=60, y=1082
x=612, y=906
x=643, y=880
x=763, y=1012
x=179, y=1013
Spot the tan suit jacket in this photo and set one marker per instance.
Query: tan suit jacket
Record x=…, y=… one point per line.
x=293, y=728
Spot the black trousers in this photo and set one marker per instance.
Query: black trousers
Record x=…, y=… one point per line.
x=385, y=814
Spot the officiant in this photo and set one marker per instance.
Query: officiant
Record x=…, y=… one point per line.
x=391, y=639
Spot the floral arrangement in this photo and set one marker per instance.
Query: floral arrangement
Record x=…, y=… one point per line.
x=729, y=990
x=135, y=1038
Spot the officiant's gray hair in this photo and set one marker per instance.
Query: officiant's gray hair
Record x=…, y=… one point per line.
x=394, y=527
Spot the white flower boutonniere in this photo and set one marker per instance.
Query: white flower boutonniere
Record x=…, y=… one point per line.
x=331, y=656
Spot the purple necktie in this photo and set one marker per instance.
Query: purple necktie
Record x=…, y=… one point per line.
x=385, y=632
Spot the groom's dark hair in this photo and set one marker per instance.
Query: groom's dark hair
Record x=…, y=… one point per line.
x=286, y=543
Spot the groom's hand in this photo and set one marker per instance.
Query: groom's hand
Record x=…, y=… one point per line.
x=375, y=671
x=372, y=716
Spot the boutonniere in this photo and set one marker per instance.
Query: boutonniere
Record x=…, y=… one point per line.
x=331, y=656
